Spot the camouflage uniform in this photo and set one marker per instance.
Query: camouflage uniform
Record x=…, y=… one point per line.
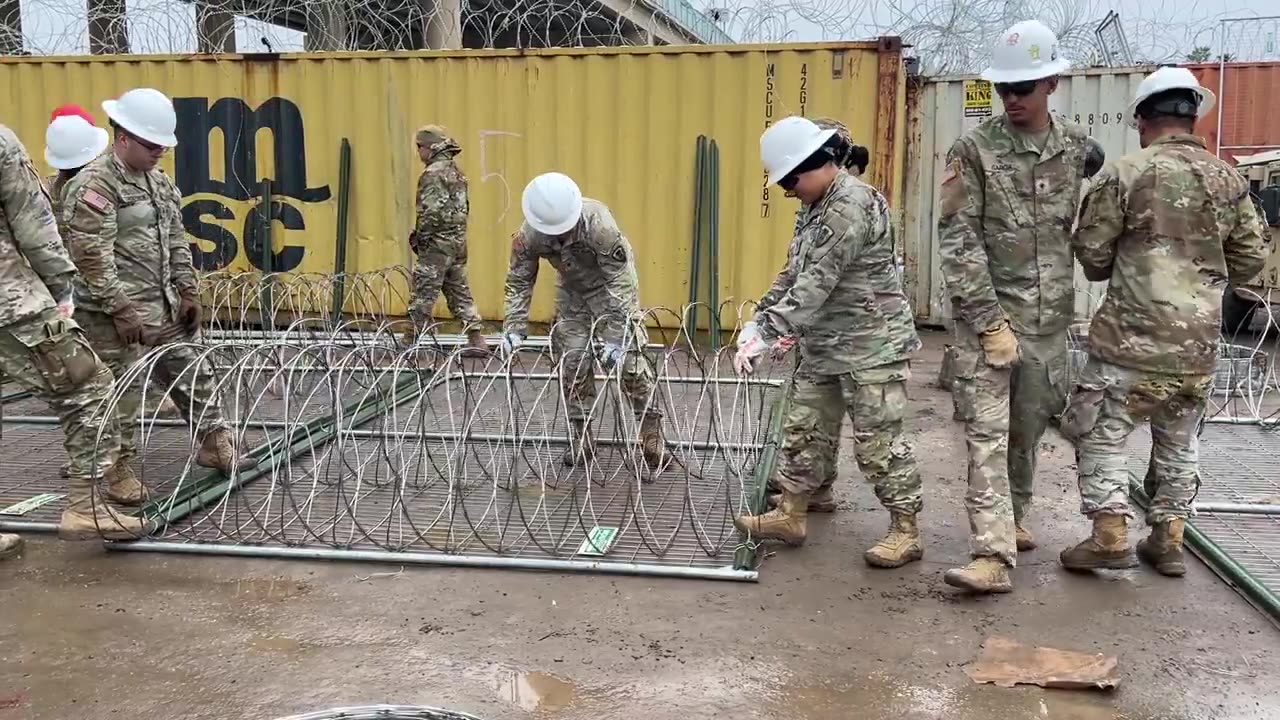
x=1169, y=227
x=439, y=237
x=1007, y=208
x=55, y=183
x=124, y=230
x=840, y=295
x=822, y=500
x=597, y=296
x=46, y=354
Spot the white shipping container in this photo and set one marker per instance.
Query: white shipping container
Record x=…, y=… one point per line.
x=947, y=107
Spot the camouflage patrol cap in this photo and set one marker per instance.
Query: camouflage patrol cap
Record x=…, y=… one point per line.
x=429, y=135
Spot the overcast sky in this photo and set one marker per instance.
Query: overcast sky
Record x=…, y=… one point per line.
x=1154, y=27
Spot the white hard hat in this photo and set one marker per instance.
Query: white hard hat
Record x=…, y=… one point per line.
x=1026, y=51
x=146, y=113
x=71, y=142
x=552, y=203
x=1169, y=78
x=789, y=142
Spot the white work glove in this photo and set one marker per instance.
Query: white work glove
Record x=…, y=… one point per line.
x=744, y=361
x=510, y=343
x=66, y=305
x=783, y=346
x=750, y=329
x=610, y=354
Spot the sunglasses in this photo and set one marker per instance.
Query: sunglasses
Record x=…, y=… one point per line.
x=1020, y=89
x=146, y=145
x=789, y=182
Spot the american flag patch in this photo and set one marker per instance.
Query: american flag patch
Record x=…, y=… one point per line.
x=95, y=200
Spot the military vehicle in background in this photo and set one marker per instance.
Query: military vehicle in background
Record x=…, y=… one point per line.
x=1242, y=301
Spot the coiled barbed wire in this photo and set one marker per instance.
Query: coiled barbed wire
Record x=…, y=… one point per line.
x=363, y=442
x=65, y=27
x=1246, y=382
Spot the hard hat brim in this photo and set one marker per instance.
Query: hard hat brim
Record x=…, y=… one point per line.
x=558, y=228
x=1207, y=102
x=819, y=140
x=1048, y=70
x=101, y=138
x=112, y=109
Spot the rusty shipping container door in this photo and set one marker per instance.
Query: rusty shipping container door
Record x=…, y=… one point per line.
x=1246, y=119
x=622, y=122
x=941, y=110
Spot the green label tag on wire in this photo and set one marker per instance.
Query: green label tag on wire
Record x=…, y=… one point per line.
x=31, y=503
x=598, y=541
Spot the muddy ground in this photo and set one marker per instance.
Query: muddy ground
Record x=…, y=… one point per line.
x=86, y=634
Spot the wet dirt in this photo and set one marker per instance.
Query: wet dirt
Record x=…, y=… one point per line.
x=86, y=634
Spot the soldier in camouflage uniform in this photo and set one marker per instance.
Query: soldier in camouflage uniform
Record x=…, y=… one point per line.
x=854, y=159
x=71, y=142
x=1008, y=199
x=439, y=239
x=43, y=350
x=123, y=223
x=597, y=298
x=1169, y=227
x=841, y=297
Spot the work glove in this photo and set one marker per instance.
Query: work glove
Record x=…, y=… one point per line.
x=749, y=330
x=610, y=354
x=190, y=312
x=66, y=305
x=1000, y=347
x=510, y=343
x=783, y=346
x=744, y=361
x=128, y=325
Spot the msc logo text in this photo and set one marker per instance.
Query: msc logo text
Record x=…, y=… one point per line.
x=237, y=197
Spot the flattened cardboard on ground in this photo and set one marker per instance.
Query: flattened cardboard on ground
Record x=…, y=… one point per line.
x=1006, y=662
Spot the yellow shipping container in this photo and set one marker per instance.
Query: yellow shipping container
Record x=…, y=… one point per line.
x=622, y=122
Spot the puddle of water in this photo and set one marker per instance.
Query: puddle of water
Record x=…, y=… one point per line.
x=536, y=691
x=878, y=695
x=267, y=589
x=276, y=644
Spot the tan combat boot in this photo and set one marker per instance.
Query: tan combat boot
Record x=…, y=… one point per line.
x=785, y=523
x=217, y=451
x=410, y=336
x=168, y=408
x=1026, y=541
x=901, y=546
x=476, y=345
x=1107, y=548
x=582, y=445
x=10, y=545
x=1164, y=548
x=123, y=485
x=822, y=501
x=984, y=575
x=85, y=520
x=653, y=445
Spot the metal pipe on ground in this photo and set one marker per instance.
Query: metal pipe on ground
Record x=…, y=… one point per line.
x=402, y=434
x=429, y=559
x=1219, y=561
